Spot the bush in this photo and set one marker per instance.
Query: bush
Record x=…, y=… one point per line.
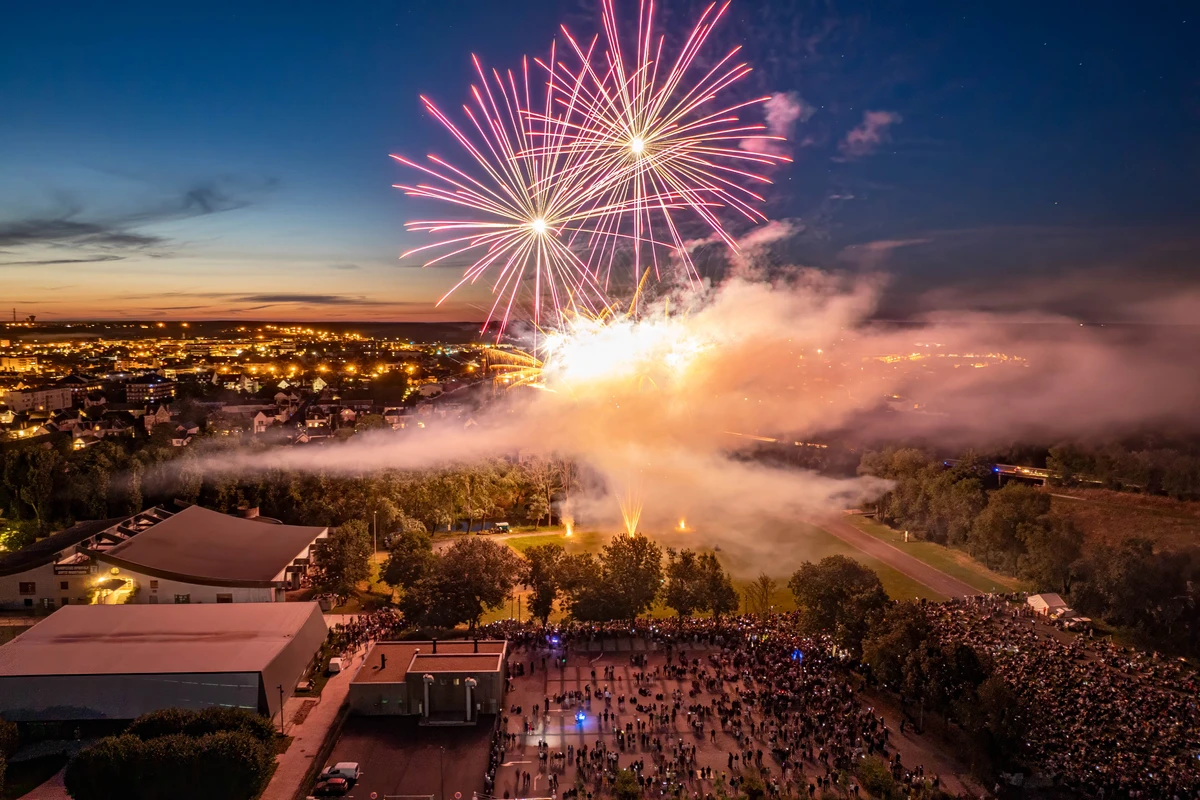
x=227, y=764
x=170, y=721
x=8, y=738
x=110, y=767
x=875, y=776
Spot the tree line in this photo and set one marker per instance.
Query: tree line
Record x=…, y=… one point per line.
x=1012, y=529
x=459, y=583
x=44, y=487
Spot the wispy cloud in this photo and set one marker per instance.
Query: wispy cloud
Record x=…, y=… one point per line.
x=307, y=299
x=344, y=266
x=95, y=239
x=52, y=261
x=872, y=132
x=783, y=111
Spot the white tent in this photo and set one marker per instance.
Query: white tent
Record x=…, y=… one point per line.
x=1048, y=603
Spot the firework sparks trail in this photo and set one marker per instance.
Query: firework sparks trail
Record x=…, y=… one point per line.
x=656, y=140
x=631, y=504
x=529, y=204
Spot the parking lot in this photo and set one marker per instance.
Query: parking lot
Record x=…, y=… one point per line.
x=399, y=757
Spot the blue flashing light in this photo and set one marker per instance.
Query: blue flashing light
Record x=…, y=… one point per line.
x=579, y=716
x=554, y=641
x=797, y=655
x=995, y=469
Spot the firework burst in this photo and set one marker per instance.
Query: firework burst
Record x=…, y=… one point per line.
x=658, y=137
x=526, y=199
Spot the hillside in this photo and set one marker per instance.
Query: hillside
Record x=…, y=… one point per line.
x=1109, y=516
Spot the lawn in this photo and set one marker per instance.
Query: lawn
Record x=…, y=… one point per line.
x=954, y=563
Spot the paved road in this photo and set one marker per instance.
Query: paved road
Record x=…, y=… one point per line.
x=897, y=559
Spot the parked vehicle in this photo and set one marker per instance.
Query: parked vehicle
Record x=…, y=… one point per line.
x=333, y=787
x=335, y=665
x=348, y=770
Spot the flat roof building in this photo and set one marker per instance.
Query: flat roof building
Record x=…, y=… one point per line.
x=447, y=683
x=118, y=662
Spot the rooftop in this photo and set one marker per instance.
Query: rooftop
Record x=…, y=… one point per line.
x=155, y=639
x=46, y=550
x=400, y=657
x=198, y=543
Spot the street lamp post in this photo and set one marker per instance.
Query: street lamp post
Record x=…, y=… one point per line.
x=442, y=770
x=281, y=729
x=374, y=533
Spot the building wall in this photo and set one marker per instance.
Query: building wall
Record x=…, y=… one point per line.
x=379, y=699
x=38, y=399
x=288, y=666
x=446, y=696
x=78, y=697
x=48, y=588
x=163, y=591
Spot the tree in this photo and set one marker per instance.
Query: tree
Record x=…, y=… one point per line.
x=632, y=574
x=995, y=534
x=370, y=422
x=409, y=557
x=543, y=576
x=344, y=560
x=759, y=594
x=838, y=596
x=625, y=787
x=893, y=639
x=470, y=576
x=685, y=588
x=537, y=507
x=719, y=595
x=37, y=488
x=1052, y=548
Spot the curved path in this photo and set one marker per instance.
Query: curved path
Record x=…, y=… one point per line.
x=897, y=559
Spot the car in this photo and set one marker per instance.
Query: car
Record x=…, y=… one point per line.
x=331, y=787
x=335, y=665
x=347, y=770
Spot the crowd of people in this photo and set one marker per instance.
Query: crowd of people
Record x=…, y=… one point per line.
x=787, y=702
x=358, y=630
x=1106, y=720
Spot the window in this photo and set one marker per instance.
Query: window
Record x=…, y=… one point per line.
x=153, y=600
x=66, y=601
x=183, y=599
x=62, y=585
x=27, y=588
x=153, y=584
x=29, y=602
x=224, y=598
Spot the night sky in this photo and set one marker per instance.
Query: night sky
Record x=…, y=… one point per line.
x=210, y=160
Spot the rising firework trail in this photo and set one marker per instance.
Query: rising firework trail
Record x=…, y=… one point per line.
x=658, y=135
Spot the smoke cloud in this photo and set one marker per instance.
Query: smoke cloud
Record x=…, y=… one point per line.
x=666, y=406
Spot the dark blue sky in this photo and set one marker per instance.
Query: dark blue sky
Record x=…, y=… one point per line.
x=219, y=160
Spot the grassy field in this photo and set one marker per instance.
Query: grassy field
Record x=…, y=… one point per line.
x=1108, y=516
x=954, y=563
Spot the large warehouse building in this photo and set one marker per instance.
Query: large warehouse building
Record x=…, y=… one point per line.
x=118, y=662
x=448, y=683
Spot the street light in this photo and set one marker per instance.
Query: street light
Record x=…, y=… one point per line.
x=442, y=770
x=282, y=732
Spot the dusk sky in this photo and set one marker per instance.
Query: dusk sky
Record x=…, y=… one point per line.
x=230, y=160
